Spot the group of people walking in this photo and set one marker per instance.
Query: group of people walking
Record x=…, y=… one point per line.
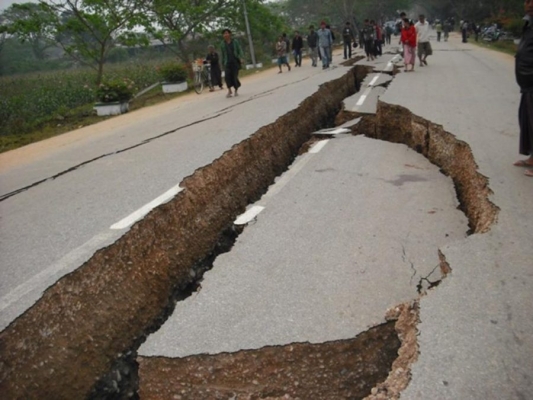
x=320, y=44
x=415, y=36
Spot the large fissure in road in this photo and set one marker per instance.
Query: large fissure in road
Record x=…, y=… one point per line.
x=80, y=339
x=92, y=320
x=346, y=369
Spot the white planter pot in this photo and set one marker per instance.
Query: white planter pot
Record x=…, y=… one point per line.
x=259, y=65
x=174, y=87
x=116, y=108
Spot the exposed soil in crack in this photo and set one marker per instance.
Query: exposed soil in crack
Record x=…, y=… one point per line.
x=407, y=319
x=346, y=369
x=93, y=319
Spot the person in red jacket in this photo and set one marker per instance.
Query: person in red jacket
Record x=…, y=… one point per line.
x=379, y=38
x=408, y=39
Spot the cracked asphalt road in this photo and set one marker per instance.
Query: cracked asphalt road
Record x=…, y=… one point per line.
x=61, y=196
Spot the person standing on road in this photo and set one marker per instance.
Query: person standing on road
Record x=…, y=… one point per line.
x=297, y=46
x=438, y=28
x=464, y=30
x=312, y=42
x=216, y=73
x=288, y=45
x=232, y=56
x=281, y=50
x=379, y=39
x=369, y=36
x=524, y=78
x=325, y=41
x=408, y=39
x=388, y=34
x=331, y=45
x=348, y=38
x=424, y=47
x=447, y=28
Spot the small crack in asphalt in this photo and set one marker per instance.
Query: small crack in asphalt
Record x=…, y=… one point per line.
x=74, y=168
x=146, y=141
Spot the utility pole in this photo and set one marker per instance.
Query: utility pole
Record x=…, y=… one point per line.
x=250, y=42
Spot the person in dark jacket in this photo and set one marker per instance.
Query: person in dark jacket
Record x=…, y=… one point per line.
x=297, y=46
x=524, y=78
x=312, y=42
x=232, y=58
x=348, y=38
x=216, y=73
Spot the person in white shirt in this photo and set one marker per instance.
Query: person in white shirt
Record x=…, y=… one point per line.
x=424, y=47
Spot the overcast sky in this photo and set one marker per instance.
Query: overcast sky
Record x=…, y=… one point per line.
x=6, y=3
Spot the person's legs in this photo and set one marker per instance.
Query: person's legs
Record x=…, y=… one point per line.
x=421, y=53
x=346, y=45
x=525, y=120
x=286, y=62
x=312, y=53
x=324, y=57
x=438, y=36
x=229, y=80
x=235, y=78
x=367, y=50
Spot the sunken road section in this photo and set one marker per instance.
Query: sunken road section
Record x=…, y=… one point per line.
x=72, y=337
x=454, y=157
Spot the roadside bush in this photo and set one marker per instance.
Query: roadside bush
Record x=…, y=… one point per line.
x=115, y=90
x=173, y=72
x=514, y=26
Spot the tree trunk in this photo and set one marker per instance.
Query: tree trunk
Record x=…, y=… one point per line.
x=101, y=62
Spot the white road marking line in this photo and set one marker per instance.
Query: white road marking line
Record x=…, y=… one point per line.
x=373, y=81
x=363, y=97
x=318, y=146
x=249, y=215
x=141, y=212
x=332, y=131
x=285, y=178
x=68, y=263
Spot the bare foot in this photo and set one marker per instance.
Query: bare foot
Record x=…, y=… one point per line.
x=524, y=163
x=529, y=172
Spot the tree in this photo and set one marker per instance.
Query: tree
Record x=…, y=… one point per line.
x=473, y=10
x=179, y=21
x=86, y=29
x=336, y=12
x=29, y=24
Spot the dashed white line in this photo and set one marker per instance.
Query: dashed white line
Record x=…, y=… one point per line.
x=141, y=212
x=249, y=215
x=318, y=146
x=373, y=81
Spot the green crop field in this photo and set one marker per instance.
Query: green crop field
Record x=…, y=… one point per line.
x=30, y=102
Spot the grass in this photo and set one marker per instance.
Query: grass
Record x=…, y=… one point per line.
x=507, y=47
x=54, y=116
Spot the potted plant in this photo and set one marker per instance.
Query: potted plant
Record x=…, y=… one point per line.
x=114, y=96
x=174, y=77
